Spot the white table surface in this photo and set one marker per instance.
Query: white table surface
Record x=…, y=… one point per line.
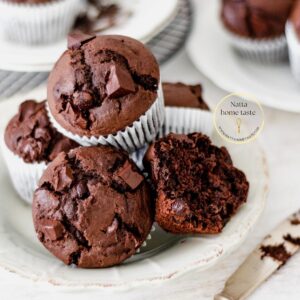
x=281, y=142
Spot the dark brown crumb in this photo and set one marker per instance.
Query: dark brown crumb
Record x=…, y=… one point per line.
x=295, y=221
x=291, y=239
x=277, y=252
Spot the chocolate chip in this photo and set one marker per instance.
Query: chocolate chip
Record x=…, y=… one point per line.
x=83, y=100
x=77, y=39
x=180, y=207
x=130, y=176
x=52, y=229
x=63, y=179
x=82, y=190
x=27, y=109
x=77, y=119
x=42, y=133
x=120, y=82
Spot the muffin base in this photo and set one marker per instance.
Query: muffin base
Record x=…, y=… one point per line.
x=260, y=50
x=187, y=120
x=294, y=50
x=38, y=23
x=24, y=176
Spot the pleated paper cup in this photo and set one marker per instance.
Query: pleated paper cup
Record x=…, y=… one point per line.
x=38, y=23
x=182, y=121
x=133, y=137
x=268, y=50
x=24, y=176
x=187, y=120
x=294, y=50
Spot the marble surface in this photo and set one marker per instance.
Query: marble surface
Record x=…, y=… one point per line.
x=281, y=141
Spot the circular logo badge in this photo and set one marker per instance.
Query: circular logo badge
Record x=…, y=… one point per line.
x=239, y=118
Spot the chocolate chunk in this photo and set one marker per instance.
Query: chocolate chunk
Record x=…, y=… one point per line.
x=180, y=208
x=120, y=82
x=83, y=100
x=63, y=179
x=52, y=229
x=130, y=176
x=82, y=190
x=43, y=134
x=77, y=39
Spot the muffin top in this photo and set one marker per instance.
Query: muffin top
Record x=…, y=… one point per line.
x=198, y=188
x=93, y=207
x=183, y=95
x=256, y=18
x=30, y=135
x=102, y=84
x=295, y=18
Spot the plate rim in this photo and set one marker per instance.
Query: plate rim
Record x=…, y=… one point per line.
x=223, y=248
x=47, y=67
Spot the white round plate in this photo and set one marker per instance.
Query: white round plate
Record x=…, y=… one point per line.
x=147, y=18
x=166, y=256
x=211, y=53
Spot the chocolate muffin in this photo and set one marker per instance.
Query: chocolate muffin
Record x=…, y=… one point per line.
x=93, y=207
x=198, y=188
x=101, y=85
x=29, y=1
x=30, y=135
x=295, y=18
x=256, y=19
x=183, y=95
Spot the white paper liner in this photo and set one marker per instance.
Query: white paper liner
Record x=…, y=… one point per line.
x=24, y=176
x=38, y=23
x=261, y=50
x=179, y=120
x=133, y=137
x=294, y=49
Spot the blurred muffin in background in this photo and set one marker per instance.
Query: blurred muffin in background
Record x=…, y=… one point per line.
x=256, y=27
x=293, y=39
x=38, y=21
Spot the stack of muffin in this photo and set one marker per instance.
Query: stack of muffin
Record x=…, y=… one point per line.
x=93, y=207
x=264, y=30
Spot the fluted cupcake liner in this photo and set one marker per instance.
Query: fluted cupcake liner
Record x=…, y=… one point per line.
x=24, y=176
x=187, y=120
x=268, y=50
x=38, y=23
x=294, y=50
x=133, y=137
x=179, y=120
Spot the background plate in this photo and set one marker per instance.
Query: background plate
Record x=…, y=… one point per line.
x=209, y=50
x=23, y=254
x=148, y=18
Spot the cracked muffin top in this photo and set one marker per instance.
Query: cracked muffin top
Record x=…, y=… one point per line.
x=93, y=207
x=30, y=135
x=102, y=84
x=197, y=187
x=256, y=18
